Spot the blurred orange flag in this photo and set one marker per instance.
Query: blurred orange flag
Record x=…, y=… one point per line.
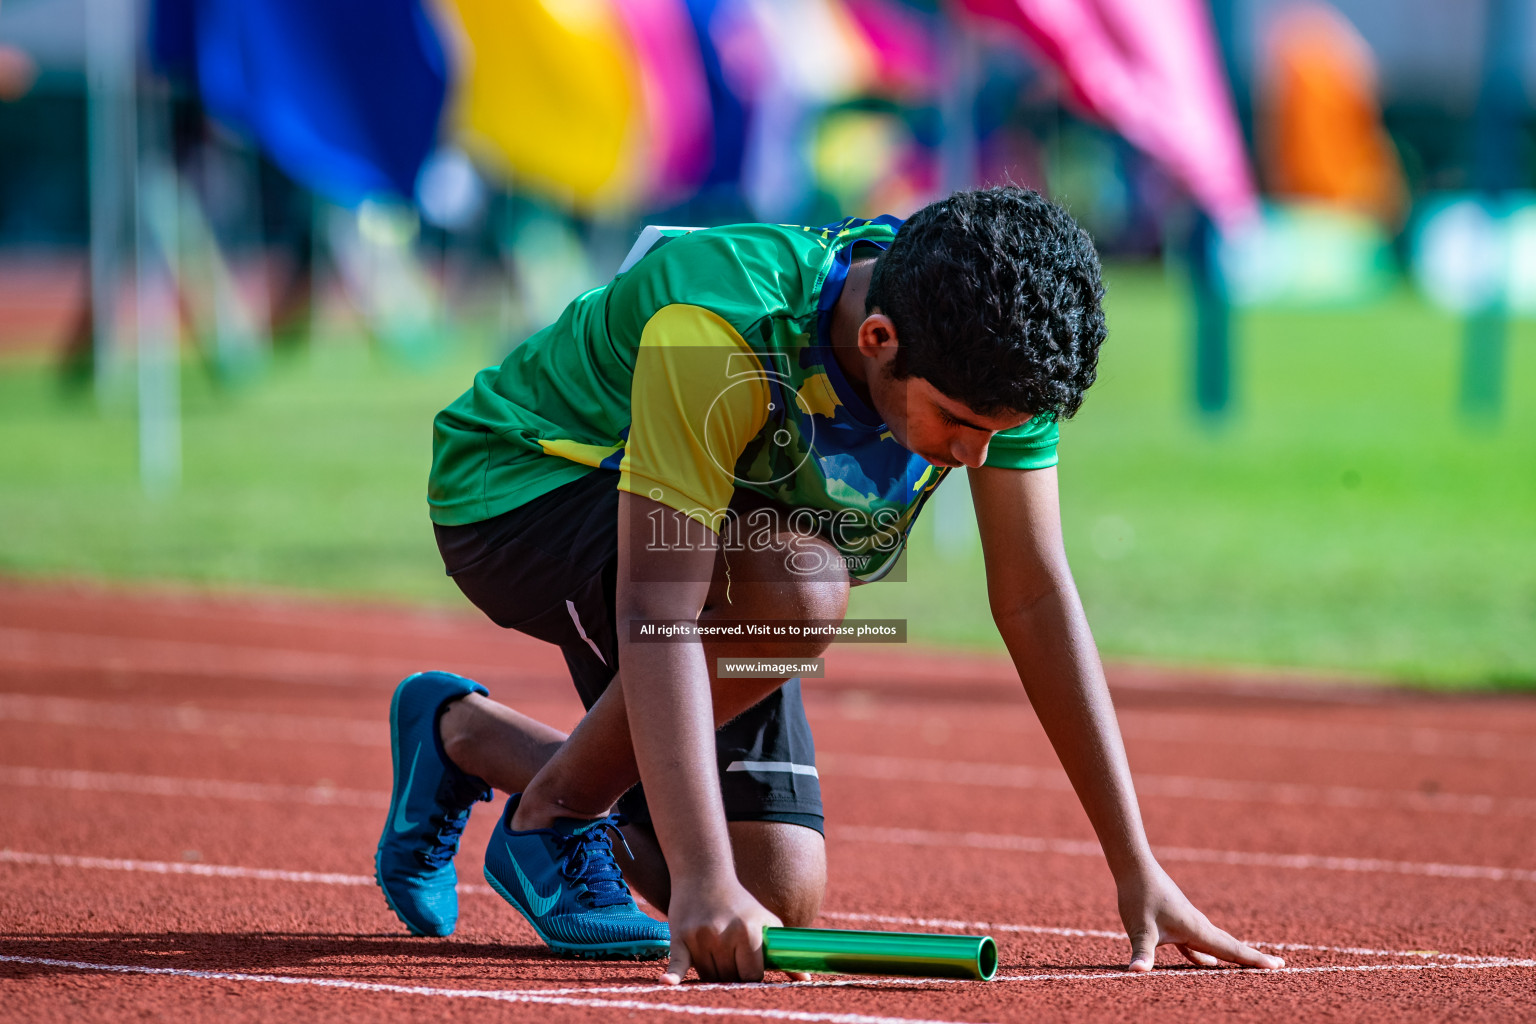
x=1321, y=133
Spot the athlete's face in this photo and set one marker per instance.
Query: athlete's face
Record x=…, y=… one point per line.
x=926, y=421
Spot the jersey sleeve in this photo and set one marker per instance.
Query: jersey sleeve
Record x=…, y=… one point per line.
x=698, y=397
x=1030, y=446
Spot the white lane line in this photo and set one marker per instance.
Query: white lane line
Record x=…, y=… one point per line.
x=582, y=996
x=160, y=785
x=162, y=867
x=171, y=867
x=335, y=878
x=1182, y=971
x=65, y=711
x=1347, y=737
x=1164, y=727
x=846, y=765
x=969, y=773
x=35, y=648
x=1236, y=729
x=20, y=707
x=1094, y=933
x=1225, y=973
x=55, y=649
x=330, y=796
x=500, y=995
x=362, y=732
x=1080, y=848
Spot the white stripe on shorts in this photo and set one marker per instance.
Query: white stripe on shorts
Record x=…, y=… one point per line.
x=570, y=606
x=773, y=766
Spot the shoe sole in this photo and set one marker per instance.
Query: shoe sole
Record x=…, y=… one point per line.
x=606, y=951
x=378, y=878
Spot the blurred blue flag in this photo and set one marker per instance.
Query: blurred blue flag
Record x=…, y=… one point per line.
x=345, y=95
x=730, y=110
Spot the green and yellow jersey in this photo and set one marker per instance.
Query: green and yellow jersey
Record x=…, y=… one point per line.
x=703, y=368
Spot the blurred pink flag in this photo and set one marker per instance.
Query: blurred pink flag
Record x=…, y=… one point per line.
x=906, y=59
x=1151, y=72
x=677, y=111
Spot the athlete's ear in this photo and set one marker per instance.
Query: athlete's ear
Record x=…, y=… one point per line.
x=877, y=336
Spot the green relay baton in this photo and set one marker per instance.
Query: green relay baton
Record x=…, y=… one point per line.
x=835, y=951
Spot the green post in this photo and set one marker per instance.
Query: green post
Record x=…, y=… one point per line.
x=1213, y=317
x=1482, y=363
x=1212, y=355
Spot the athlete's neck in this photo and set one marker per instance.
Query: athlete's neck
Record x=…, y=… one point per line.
x=847, y=315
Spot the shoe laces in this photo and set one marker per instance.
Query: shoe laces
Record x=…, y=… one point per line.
x=588, y=860
x=458, y=792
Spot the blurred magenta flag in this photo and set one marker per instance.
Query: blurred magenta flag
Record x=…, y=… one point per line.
x=903, y=43
x=675, y=91
x=1151, y=72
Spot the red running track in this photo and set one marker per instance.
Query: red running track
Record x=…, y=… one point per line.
x=192, y=790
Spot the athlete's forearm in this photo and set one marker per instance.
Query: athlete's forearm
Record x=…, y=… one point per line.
x=667, y=692
x=672, y=726
x=1053, y=650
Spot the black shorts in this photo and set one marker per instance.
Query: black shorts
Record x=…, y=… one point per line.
x=549, y=568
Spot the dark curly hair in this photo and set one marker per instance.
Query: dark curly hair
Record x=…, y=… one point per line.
x=995, y=294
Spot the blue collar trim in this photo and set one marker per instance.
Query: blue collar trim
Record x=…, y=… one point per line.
x=831, y=291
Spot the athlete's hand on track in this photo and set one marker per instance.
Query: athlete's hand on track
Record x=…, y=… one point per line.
x=717, y=929
x=1156, y=913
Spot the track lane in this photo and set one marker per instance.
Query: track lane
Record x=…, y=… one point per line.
x=934, y=709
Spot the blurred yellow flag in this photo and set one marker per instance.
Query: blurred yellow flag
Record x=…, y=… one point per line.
x=550, y=91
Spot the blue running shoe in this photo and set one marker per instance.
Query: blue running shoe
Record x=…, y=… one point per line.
x=428, y=809
x=565, y=881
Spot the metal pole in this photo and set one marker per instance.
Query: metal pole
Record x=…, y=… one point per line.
x=957, y=152
x=1496, y=168
x=155, y=305
x=954, y=522
x=110, y=143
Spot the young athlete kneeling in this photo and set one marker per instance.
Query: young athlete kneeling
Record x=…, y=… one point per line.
x=741, y=425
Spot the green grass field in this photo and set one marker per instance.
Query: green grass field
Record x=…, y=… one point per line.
x=1344, y=517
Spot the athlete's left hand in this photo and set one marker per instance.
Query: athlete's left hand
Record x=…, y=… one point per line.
x=1156, y=913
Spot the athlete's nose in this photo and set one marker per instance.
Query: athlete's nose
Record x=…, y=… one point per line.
x=970, y=455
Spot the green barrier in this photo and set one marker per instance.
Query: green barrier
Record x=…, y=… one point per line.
x=834, y=951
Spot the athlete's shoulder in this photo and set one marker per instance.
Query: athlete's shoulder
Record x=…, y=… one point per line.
x=755, y=248
x=740, y=271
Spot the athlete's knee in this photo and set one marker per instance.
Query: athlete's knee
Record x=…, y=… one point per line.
x=798, y=903
x=784, y=866
x=823, y=593
x=810, y=602
x=809, y=582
